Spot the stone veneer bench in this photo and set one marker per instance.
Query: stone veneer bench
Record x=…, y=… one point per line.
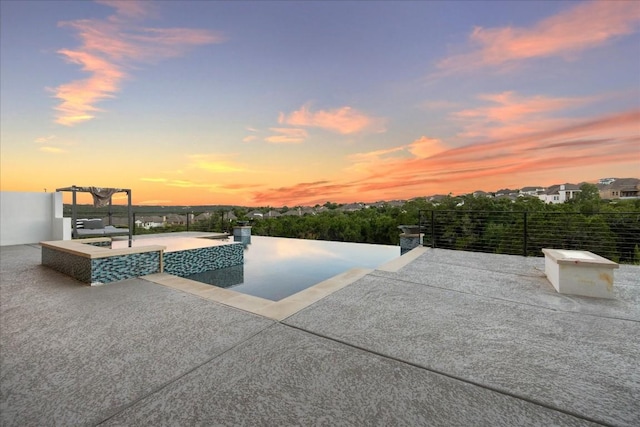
x=93, y=261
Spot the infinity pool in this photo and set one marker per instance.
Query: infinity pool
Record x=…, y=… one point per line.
x=275, y=267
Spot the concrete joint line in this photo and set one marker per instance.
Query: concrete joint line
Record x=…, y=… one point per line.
x=457, y=378
x=171, y=381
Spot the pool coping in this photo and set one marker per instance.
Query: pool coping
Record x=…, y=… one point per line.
x=278, y=310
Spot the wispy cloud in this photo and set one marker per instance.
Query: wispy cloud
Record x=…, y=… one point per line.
x=53, y=150
x=51, y=144
x=344, y=120
x=581, y=27
x=553, y=152
x=44, y=139
x=215, y=164
x=109, y=48
x=507, y=114
x=287, y=136
x=422, y=147
x=306, y=192
x=180, y=183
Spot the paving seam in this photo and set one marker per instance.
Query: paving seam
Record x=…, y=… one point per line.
x=503, y=299
x=451, y=376
x=180, y=376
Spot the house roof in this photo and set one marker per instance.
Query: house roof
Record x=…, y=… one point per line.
x=525, y=189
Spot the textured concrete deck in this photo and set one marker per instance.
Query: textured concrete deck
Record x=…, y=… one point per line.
x=452, y=338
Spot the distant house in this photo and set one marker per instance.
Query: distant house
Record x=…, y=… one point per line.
x=174, y=219
x=532, y=191
x=436, y=198
x=480, y=193
x=352, y=207
x=606, y=181
x=391, y=203
x=205, y=216
x=229, y=216
x=511, y=196
x=272, y=214
x=255, y=215
x=148, y=222
x=559, y=193
x=506, y=192
x=623, y=188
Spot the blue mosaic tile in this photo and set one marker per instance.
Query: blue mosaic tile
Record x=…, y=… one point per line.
x=72, y=265
x=121, y=267
x=185, y=263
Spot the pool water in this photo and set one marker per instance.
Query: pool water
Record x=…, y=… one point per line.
x=275, y=267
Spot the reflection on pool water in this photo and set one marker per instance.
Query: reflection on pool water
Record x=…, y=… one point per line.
x=275, y=267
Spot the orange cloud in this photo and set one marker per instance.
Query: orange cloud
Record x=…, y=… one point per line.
x=376, y=155
x=345, y=120
x=303, y=193
x=287, y=136
x=111, y=46
x=582, y=27
x=422, y=147
x=426, y=147
x=555, y=152
x=510, y=114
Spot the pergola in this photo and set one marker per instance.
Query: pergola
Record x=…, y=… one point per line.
x=101, y=197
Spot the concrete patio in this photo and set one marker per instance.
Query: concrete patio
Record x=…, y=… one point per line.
x=450, y=338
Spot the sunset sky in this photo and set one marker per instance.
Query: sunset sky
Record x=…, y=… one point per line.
x=298, y=103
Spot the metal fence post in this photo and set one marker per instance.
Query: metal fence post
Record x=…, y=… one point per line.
x=525, y=235
x=433, y=229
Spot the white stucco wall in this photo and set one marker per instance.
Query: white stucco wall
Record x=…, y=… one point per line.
x=31, y=218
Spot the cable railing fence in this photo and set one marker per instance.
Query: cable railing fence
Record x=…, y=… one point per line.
x=149, y=222
x=613, y=235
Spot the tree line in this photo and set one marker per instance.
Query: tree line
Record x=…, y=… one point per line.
x=610, y=228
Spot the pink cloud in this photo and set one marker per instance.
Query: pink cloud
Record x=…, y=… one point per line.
x=287, y=136
x=422, y=147
x=564, y=153
x=509, y=114
x=303, y=193
x=426, y=147
x=128, y=8
x=344, y=120
x=111, y=46
x=581, y=27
